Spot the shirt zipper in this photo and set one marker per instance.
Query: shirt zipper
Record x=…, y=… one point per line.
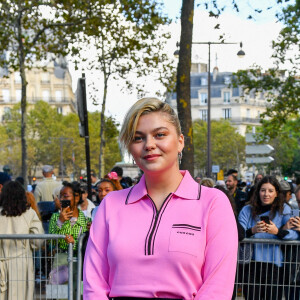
x=155, y=226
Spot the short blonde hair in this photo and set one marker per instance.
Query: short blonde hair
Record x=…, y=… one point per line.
x=142, y=107
x=208, y=182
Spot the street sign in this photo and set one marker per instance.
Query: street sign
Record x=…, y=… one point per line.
x=258, y=149
x=215, y=168
x=259, y=160
x=250, y=138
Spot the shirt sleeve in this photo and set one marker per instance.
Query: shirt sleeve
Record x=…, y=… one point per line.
x=96, y=267
x=244, y=217
x=218, y=271
x=36, y=227
x=287, y=214
x=37, y=194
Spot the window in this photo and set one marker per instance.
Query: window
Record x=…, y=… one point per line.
x=60, y=110
x=58, y=95
x=227, y=80
x=203, y=98
x=45, y=77
x=203, y=81
x=46, y=95
x=226, y=97
x=248, y=113
x=5, y=95
x=203, y=114
x=227, y=113
x=18, y=95
x=17, y=77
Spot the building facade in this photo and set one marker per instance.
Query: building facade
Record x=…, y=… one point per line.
x=53, y=86
x=229, y=103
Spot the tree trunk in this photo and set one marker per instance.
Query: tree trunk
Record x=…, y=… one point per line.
x=102, y=126
x=183, y=84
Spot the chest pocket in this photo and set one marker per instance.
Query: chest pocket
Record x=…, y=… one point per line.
x=185, y=238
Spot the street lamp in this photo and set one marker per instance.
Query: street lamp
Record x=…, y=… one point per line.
x=240, y=54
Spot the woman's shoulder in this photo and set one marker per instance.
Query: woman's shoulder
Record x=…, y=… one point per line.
x=246, y=209
x=287, y=209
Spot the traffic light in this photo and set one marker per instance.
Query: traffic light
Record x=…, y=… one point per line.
x=33, y=179
x=81, y=178
x=285, y=178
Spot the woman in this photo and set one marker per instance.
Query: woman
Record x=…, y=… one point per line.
x=264, y=219
x=106, y=186
x=70, y=220
x=87, y=206
x=292, y=258
x=166, y=237
x=16, y=263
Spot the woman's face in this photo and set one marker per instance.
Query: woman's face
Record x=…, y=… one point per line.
x=66, y=193
x=156, y=143
x=103, y=189
x=267, y=194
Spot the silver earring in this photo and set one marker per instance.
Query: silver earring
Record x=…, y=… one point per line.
x=179, y=157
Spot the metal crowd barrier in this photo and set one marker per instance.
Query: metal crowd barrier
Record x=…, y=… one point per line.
x=26, y=261
x=255, y=280
x=258, y=280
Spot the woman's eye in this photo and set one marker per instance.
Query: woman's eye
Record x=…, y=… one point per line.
x=159, y=135
x=137, y=138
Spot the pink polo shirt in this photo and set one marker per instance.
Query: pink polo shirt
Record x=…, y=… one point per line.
x=186, y=250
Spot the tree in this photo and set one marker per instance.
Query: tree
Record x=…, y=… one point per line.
x=227, y=149
x=31, y=30
x=183, y=84
x=280, y=86
x=287, y=149
x=125, y=47
x=45, y=130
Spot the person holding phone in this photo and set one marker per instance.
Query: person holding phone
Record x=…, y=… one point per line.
x=70, y=220
x=292, y=255
x=264, y=218
x=167, y=237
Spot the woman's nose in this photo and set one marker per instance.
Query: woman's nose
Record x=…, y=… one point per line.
x=150, y=143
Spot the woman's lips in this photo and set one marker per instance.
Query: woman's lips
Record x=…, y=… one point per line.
x=151, y=157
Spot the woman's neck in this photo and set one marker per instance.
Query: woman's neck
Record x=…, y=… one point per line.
x=160, y=185
x=75, y=211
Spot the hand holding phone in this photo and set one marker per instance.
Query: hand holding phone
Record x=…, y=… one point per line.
x=265, y=219
x=65, y=214
x=65, y=203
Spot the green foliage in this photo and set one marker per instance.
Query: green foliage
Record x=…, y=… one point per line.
x=287, y=149
x=46, y=129
x=281, y=87
x=124, y=40
x=227, y=146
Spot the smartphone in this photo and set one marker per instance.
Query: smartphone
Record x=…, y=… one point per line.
x=266, y=219
x=65, y=203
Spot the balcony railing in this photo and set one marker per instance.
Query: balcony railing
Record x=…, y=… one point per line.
x=31, y=100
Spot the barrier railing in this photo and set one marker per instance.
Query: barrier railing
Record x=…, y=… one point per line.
x=267, y=269
x=26, y=265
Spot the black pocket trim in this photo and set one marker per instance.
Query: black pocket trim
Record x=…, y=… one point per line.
x=187, y=226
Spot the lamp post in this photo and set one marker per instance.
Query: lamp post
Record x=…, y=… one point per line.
x=240, y=54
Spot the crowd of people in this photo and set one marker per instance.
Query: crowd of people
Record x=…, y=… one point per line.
x=164, y=236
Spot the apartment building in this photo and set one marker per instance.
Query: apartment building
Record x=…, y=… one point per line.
x=226, y=102
x=53, y=86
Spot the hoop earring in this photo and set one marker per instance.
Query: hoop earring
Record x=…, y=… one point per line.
x=179, y=157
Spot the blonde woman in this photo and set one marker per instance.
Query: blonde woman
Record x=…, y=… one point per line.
x=167, y=237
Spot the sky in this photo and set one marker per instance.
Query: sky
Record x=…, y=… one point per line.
x=255, y=34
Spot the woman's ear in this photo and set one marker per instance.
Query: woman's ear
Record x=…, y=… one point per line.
x=181, y=143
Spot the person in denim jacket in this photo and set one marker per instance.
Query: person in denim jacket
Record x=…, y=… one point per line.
x=264, y=218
